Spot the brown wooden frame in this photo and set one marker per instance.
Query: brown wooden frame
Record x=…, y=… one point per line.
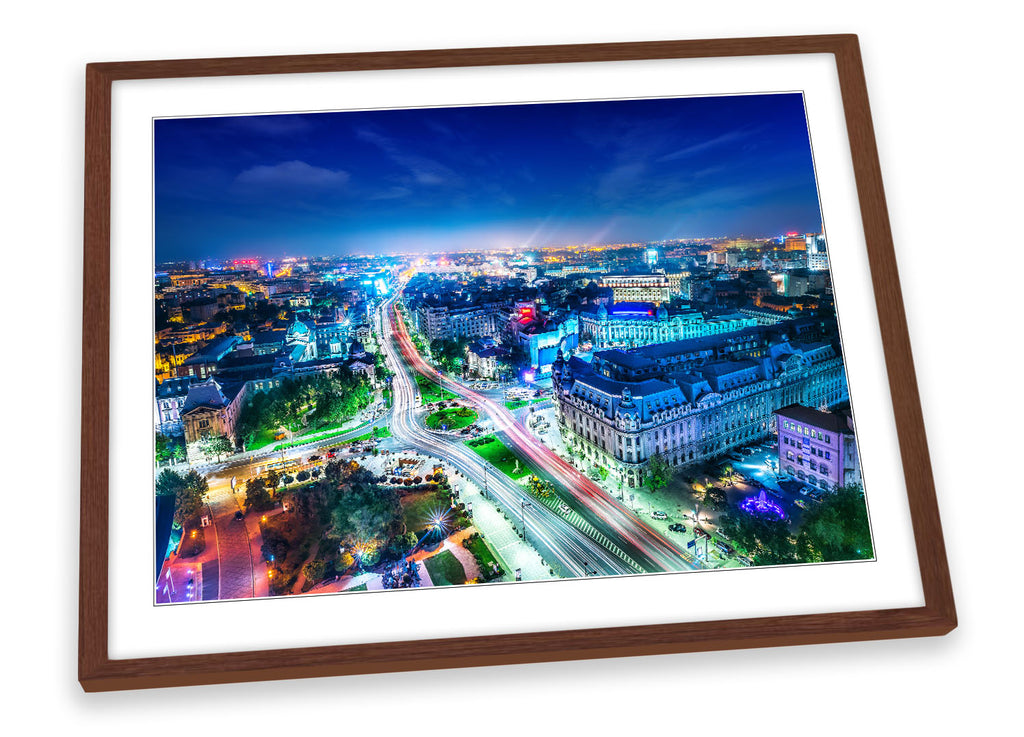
x=97, y=672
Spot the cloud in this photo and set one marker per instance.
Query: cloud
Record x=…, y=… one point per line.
x=391, y=193
x=701, y=147
x=292, y=175
x=620, y=181
x=423, y=170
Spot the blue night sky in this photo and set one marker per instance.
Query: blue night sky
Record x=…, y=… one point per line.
x=498, y=176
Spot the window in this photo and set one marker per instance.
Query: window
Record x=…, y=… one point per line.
x=828, y=456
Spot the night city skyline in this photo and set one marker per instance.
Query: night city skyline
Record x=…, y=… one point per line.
x=513, y=176
x=439, y=347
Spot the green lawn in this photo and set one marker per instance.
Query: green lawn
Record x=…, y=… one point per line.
x=445, y=569
x=454, y=417
x=430, y=391
x=514, y=404
x=419, y=507
x=263, y=438
x=378, y=432
x=500, y=455
x=478, y=547
x=311, y=436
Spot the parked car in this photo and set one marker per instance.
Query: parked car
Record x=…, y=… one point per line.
x=658, y=515
x=744, y=560
x=677, y=527
x=564, y=508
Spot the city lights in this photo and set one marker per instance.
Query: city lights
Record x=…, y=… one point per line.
x=446, y=391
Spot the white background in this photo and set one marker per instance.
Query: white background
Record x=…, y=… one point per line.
x=941, y=86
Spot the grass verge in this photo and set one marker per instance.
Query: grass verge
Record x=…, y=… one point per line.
x=445, y=569
x=500, y=455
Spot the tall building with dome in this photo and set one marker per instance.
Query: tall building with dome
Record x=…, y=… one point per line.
x=300, y=340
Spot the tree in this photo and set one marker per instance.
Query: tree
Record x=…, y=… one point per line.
x=314, y=570
x=168, y=448
x=714, y=497
x=188, y=492
x=836, y=528
x=217, y=445
x=659, y=472
x=273, y=480
x=257, y=497
x=767, y=539
x=364, y=514
x=168, y=483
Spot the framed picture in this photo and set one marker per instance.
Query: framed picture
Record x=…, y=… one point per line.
x=433, y=359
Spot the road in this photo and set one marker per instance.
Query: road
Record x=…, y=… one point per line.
x=641, y=543
x=568, y=550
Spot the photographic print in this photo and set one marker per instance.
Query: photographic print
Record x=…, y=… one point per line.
x=408, y=348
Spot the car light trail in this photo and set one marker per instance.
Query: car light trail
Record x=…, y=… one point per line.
x=654, y=551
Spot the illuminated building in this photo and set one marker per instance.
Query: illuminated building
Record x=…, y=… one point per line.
x=817, y=447
x=795, y=242
x=203, y=363
x=210, y=410
x=692, y=400
x=451, y=322
x=817, y=253
x=170, y=399
x=542, y=337
x=301, y=341
x=484, y=357
x=637, y=287
x=633, y=324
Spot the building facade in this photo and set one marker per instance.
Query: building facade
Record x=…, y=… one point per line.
x=818, y=448
x=170, y=400
x=637, y=287
x=634, y=324
x=452, y=323
x=686, y=401
x=210, y=410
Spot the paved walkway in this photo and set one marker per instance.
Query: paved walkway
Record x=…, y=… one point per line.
x=511, y=550
x=424, y=576
x=469, y=564
x=453, y=544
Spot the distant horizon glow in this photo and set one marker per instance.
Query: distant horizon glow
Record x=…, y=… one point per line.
x=522, y=177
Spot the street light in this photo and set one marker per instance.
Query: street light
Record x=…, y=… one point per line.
x=522, y=515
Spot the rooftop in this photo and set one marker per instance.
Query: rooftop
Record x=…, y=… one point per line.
x=836, y=423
